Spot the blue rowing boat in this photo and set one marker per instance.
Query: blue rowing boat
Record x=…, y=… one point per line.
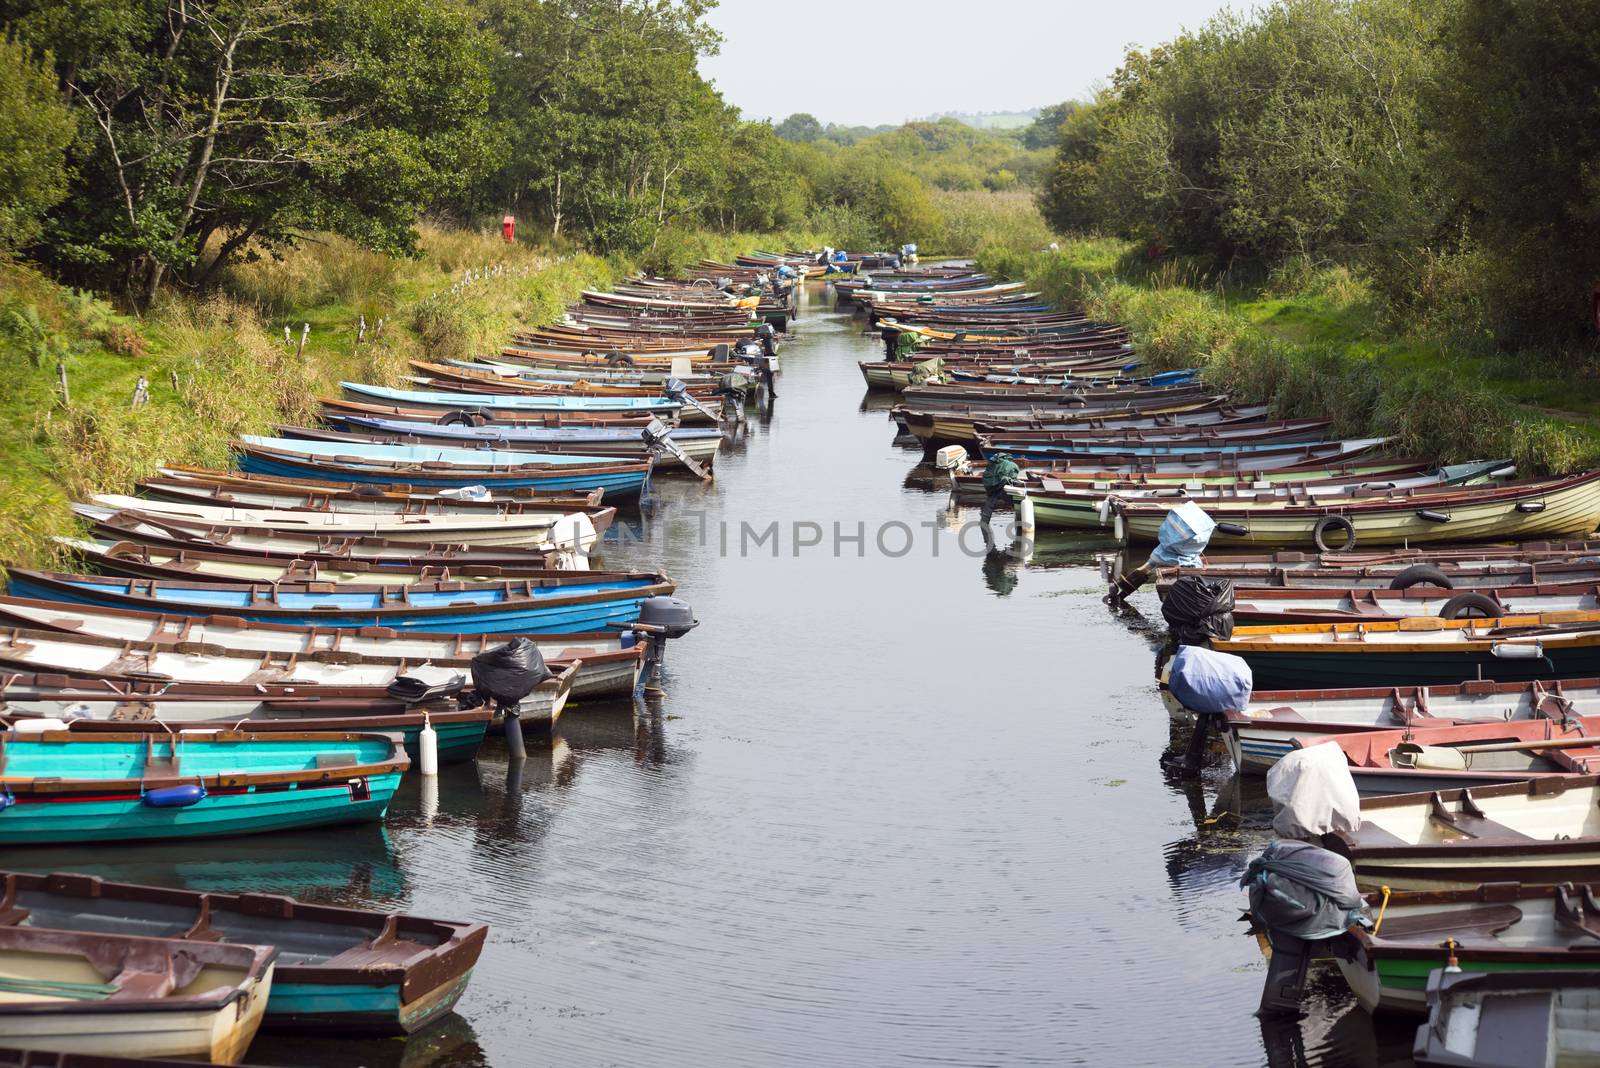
x=521, y=402
x=64, y=787
x=438, y=466
x=565, y=603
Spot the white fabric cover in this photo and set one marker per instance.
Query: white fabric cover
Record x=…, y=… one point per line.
x=1313, y=793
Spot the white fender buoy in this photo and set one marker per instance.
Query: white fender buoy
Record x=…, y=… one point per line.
x=1105, y=509
x=1025, y=514
x=1119, y=529
x=428, y=748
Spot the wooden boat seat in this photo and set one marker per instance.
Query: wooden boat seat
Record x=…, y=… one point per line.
x=142, y=985
x=1470, y=820
x=1485, y=921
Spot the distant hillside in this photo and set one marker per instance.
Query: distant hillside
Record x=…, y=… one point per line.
x=991, y=120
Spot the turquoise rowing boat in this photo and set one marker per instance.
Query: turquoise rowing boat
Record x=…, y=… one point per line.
x=60, y=786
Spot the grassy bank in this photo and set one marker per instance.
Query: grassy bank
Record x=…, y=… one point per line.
x=1313, y=342
x=218, y=366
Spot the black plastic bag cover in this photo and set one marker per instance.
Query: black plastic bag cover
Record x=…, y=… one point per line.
x=1198, y=610
x=508, y=673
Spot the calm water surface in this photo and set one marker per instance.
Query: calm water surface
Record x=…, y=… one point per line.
x=896, y=807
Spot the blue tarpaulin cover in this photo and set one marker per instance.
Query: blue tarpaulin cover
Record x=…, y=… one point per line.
x=1183, y=536
x=1207, y=681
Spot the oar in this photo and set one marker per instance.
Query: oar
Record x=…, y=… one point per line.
x=1452, y=757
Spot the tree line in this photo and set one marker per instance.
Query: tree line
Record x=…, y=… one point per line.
x=149, y=143
x=1446, y=147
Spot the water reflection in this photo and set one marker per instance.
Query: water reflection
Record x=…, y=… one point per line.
x=451, y=1043
x=999, y=572
x=344, y=865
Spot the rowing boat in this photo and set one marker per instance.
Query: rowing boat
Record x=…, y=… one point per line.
x=1088, y=507
x=608, y=661
x=77, y=992
x=573, y=532
x=1279, y=606
x=199, y=485
x=1513, y=510
x=339, y=968
x=64, y=787
x=1419, y=651
x=221, y=669
x=137, y=561
x=1542, y=830
x=567, y=602
x=701, y=444
x=122, y=530
x=438, y=467
x=1276, y=721
x=1496, y=928
x=1467, y=755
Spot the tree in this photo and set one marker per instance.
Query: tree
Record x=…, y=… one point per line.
x=1045, y=130
x=800, y=127
x=1515, y=108
x=207, y=125
x=35, y=129
x=604, y=118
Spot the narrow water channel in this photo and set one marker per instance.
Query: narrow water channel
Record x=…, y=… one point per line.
x=900, y=805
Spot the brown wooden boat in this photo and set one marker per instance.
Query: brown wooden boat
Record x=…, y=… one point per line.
x=339, y=969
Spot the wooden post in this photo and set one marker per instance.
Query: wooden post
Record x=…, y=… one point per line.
x=61, y=379
x=141, y=392
x=172, y=375
x=305, y=332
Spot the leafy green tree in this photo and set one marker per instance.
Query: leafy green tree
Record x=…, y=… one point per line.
x=1045, y=130
x=35, y=129
x=801, y=127
x=206, y=126
x=1517, y=110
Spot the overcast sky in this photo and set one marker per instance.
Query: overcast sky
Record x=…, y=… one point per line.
x=886, y=61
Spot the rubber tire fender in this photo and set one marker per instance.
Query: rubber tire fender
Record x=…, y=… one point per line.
x=1421, y=575
x=1334, y=522
x=1462, y=606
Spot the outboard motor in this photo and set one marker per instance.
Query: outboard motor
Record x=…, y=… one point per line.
x=664, y=619
x=505, y=675
x=1210, y=685
x=618, y=359
x=1303, y=897
x=768, y=338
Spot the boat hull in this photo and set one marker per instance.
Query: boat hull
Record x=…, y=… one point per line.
x=222, y=813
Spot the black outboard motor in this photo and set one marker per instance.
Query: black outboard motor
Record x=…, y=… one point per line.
x=768, y=338
x=663, y=619
x=1303, y=899
x=505, y=675
x=618, y=359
